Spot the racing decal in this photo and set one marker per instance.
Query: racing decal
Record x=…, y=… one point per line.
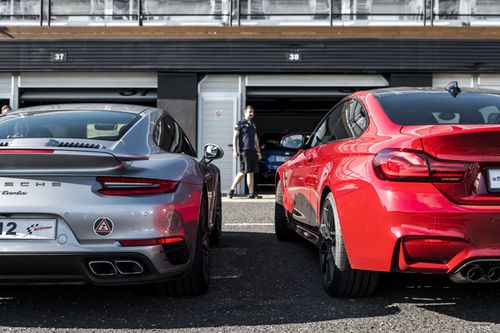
x=103, y=226
x=36, y=227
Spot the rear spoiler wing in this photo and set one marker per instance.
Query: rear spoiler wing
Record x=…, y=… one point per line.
x=38, y=160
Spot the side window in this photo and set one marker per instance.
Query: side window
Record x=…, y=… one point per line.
x=357, y=119
x=169, y=136
x=325, y=132
x=341, y=129
x=345, y=121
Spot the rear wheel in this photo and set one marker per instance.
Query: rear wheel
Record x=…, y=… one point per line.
x=216, y=234
x=196, y=282
x=283, y=233
x=339, y=278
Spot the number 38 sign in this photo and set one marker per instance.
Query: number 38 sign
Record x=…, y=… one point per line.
x=294, y=56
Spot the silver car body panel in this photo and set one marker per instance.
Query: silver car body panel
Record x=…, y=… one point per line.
x=63, y=186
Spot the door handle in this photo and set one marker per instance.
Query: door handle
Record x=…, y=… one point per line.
x=309, y=158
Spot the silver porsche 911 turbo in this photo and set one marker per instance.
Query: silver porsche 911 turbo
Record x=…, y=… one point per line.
x=105, y=194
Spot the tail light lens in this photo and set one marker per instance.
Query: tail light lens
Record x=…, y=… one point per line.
x=415, y=166
x=401, y=165
x=448, y=171
x=26, y=151
x=148, y=242
x=135, y=186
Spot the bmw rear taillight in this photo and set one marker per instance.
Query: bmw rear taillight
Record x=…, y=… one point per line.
x=401, y=165
x=135, y=186
x=415, y=166
x=448, y=171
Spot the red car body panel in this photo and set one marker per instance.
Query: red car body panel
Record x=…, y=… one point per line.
x=396, y=225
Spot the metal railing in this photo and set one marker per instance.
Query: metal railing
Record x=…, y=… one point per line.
x=241, y=13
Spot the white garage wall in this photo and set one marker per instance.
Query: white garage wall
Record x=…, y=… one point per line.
x=489, y=81
x=5, y=85
x=335, y=80
x=464, y=80
x=89, y=80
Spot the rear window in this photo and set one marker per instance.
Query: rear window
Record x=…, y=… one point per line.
x=98, y=125
x=435, y=108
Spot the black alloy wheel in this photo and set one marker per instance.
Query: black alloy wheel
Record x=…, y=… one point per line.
x=339, y=278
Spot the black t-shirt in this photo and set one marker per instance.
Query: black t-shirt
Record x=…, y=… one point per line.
x=246, y=138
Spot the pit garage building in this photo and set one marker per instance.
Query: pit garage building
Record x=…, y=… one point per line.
x=204, y=60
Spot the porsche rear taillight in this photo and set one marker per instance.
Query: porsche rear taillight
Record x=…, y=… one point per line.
x=135, y=186
x=26, y=151
x=414, y=166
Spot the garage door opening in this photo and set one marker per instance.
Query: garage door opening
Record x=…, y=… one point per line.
x=283, y=111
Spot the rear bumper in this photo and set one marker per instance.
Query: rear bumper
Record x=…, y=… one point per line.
x=73, y=268
x=412, y=227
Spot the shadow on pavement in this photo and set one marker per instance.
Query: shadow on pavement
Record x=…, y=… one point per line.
x=257, y=281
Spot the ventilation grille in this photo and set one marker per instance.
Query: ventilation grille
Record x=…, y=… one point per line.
x=4, y=144
x=79, y=145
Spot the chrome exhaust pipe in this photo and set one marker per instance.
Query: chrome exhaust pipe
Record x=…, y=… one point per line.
x=494, y=274
x=129, y=267
x=102, y=268
x=474, y=274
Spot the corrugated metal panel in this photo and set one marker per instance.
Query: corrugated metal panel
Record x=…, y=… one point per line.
x=316, y=81
x=89, y=80
x=442, y=80
x=217, y=127
x=220, y=84
x=5, y=85
x=256, y=56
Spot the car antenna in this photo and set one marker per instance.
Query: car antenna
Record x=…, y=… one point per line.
x=453, y=88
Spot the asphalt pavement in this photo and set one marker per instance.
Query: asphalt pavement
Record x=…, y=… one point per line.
x=258, y=285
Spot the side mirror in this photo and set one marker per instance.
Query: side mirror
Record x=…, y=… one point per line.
x=212, y=152
x=293, y=141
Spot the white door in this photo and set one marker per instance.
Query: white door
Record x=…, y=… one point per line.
x=218, y=115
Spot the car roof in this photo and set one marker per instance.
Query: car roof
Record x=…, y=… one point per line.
x=435, y=90
x=87, y=107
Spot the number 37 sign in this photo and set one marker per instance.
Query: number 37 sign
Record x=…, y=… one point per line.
x=58, y=56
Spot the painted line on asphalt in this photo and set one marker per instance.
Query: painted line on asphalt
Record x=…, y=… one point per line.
x=250, y=224
x=221, y=277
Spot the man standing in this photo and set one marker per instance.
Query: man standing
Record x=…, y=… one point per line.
x=246, y=146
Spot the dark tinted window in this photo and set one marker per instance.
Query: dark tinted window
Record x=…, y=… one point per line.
x=99, y=125
x=429, y=108
x=334, y=127
x=169, y=136
x=357, y=119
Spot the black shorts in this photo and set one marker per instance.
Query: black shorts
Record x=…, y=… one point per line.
x=249, y=162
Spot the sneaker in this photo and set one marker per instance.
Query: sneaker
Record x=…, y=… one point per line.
x=254, y=196
x=230, y=194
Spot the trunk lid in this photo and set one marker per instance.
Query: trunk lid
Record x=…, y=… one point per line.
x=46, y=160
x=470, y=152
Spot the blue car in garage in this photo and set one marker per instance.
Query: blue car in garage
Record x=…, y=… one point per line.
x=273, y=155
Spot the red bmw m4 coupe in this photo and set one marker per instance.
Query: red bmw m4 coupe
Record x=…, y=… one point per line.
x=398, y=180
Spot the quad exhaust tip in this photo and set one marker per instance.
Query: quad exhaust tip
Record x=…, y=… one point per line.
x=478, y=271
x=108, y=268
x=128, y=267
x=102, y=268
